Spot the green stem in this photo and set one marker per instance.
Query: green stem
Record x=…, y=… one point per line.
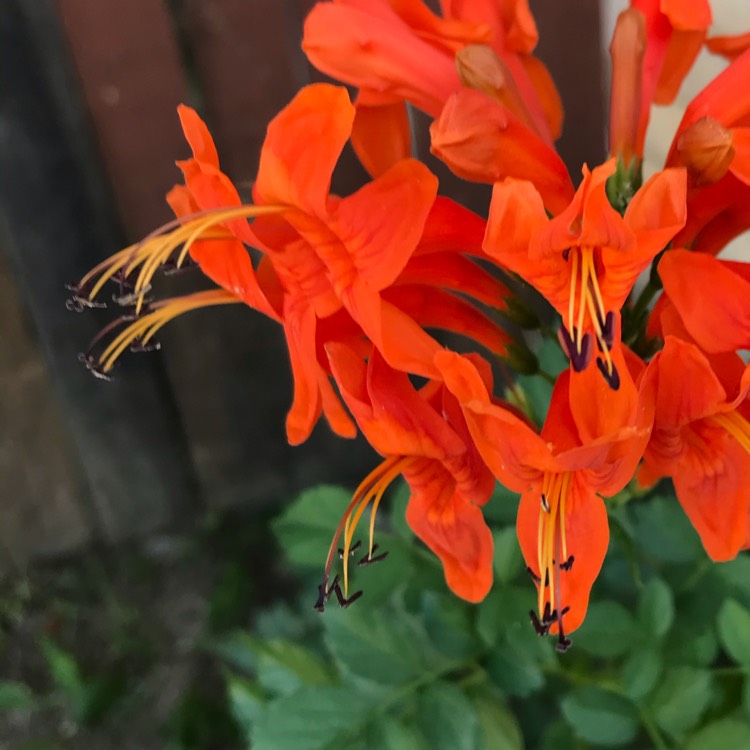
x=652, y=730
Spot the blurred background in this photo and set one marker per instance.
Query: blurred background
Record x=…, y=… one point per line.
x=135, y=514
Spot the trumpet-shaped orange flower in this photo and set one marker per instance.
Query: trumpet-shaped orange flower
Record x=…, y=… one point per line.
x=701, y=439
x=424, y=437
x=585, y=260
x=327, y=261
x=396, y=51
x=591, y=443
x=721, y=323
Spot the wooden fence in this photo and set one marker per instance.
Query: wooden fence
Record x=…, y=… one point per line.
x=88, y=137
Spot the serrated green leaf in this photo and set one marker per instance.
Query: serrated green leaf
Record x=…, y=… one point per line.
x=721, y=735
x=656, y=607
x=664, y=531
x=499, y=729
x=246, y=702
x=640, y=673
x=447, y=718
x=15, y=696
x=599, y=716
x=508, y=561
x=386, y=647
x=608, y=630
x=733, y=623
x=317, y=718
x=681, y=699
x=305, y=529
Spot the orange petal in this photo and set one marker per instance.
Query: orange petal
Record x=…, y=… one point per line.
x=721, y=325
x=730, y=47
x=290, y=171
x=370, y=47
x=381, y=224
x=741, y=163
x=453, y=528
x=198, y=136
x=452, y=228
x=715, y=500
x=549, y=96
x=587, y=538
x=481, y=140
x=435, y=308
x=381, y=136
x=393, y=416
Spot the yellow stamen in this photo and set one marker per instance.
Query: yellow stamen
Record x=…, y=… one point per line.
x=736, y=425
x=144, y=328
x=157, y=248
x=370, y=491
x=552, y=545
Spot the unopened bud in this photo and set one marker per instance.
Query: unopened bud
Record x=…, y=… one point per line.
x=707, y=150
x=481, y=68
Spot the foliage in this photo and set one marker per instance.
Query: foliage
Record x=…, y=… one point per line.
x=661, y=661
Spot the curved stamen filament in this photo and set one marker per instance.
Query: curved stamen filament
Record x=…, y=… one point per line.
x=552, y=545
x=370, y=490
x=736, y=425
x=144, y=328
x=158, y=246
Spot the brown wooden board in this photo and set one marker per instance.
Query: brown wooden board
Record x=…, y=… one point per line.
x=41, y=503
x=56, y=223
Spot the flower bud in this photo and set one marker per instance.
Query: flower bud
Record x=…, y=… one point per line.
x=706, y=148
x=481, y=68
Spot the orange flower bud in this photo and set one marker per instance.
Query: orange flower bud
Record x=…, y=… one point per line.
x=626, y=124
x=481, y=68
x=706, y=148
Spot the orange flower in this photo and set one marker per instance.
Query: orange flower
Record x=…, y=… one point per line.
x=721, y=323
x=590, y=445
x=701, y=439
x=423, y=436
x=325, y=258
x=585, y=260
x=396, y=52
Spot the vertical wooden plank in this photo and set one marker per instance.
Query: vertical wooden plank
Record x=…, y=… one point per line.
x=247, y=59
x=128, y=65
x=41, y=511
x=55, y=225
x=571, y=47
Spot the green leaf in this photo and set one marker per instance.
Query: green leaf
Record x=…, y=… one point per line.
x=641, y=672
x=508, y=561
x=306, y=527
x=734, y=631
x=66, y=676
x=600, y=717
x=499, y=729
x=515, y=666
x=447, y=718
x=246, y=702
x=384, y=646
x=390, y=734
x=608, y=630
x=504, y=608
x=312, y=719
x=681, y=699
x=448, y=621
x=736, y=575
x=725, y=734
x=15, y=696
x=656, y=607
x=663, y=530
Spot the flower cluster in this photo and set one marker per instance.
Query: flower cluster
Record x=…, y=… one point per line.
x=363, y=285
